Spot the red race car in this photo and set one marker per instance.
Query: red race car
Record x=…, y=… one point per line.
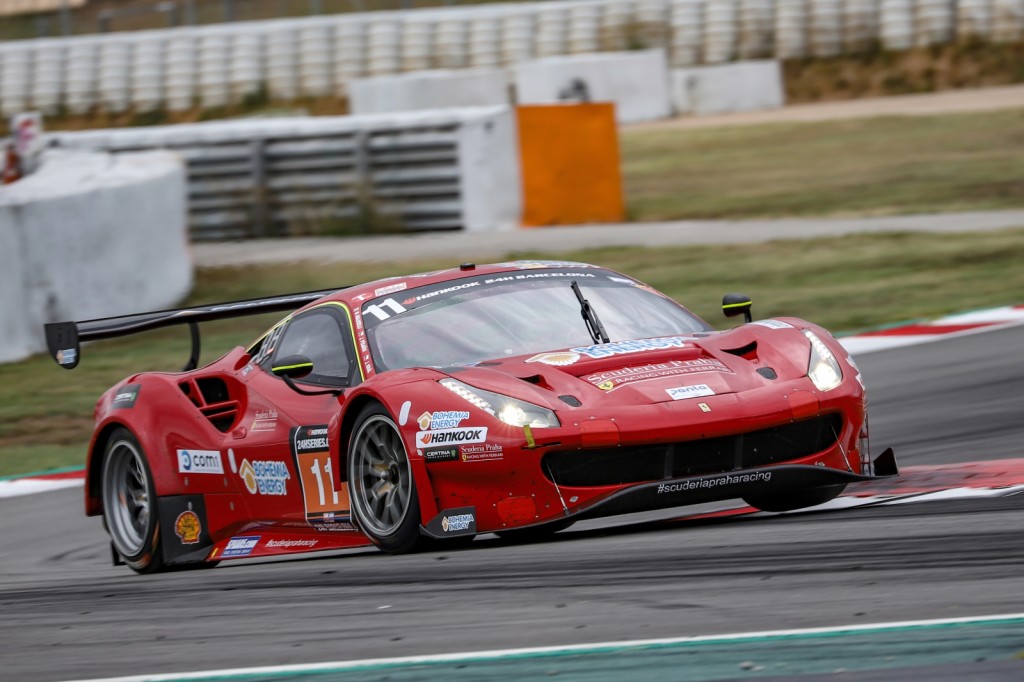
x=513, y=398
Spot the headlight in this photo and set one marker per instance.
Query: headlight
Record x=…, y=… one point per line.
x=509, y=410
x=823, y=368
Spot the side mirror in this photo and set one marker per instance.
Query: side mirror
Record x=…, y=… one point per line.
x=736, y=304
x=293, y=367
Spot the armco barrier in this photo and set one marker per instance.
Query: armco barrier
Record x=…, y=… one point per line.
x=90, y=235
x=318, y=56
x=742, y=86
x=443, y=169
x=429, y=90
x=637, y=82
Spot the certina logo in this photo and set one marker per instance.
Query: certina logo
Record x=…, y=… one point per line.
x=425, y=439
x=456, y=522
x=445, y=419
x=200, y=462
x=707, y=483
x=264, y=477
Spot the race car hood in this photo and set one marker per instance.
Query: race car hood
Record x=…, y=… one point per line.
x=646, y=371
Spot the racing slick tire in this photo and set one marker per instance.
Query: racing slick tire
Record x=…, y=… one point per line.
x=535, y=533
x=797, y=499
x=382, y=491
x=130, y=512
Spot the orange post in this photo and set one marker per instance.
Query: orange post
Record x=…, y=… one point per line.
x=569, y=159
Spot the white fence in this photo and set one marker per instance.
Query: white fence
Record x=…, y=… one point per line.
x=446, y=169
x=318, y=56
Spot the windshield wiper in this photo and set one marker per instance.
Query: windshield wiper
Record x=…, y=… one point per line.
x=594, y=326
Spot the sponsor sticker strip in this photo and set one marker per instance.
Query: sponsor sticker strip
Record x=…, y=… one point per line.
x=200, y=462
x=427, y=439
x=615, y=378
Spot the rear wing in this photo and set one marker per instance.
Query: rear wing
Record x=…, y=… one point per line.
x=63, y=339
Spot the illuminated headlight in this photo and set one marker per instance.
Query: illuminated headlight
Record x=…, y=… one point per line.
x=509, y=410
x=823, y=368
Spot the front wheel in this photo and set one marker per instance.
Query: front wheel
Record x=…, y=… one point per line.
x=381, y=486
x=130, y=504
x=797, y=499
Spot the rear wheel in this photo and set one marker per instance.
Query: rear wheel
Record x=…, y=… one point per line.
x=381, y=486
x=798, y=499
x=130, y=504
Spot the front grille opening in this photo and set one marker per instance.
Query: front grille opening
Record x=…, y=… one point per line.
x=643, y=463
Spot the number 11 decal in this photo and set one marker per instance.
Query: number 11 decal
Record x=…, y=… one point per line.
x=326, y=507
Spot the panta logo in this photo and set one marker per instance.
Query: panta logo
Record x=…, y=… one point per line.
x=684, y=392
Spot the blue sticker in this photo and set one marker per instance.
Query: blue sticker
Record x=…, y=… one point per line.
x=240, y=546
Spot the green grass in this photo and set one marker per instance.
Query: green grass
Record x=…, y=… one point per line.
x=844, y=283
x=888, y=165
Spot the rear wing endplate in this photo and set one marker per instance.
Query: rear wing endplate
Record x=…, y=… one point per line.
x=63, y=339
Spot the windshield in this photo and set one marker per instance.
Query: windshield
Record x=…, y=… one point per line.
x=509, y=314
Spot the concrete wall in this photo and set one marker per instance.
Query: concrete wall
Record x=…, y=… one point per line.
x=90, y=235
x=429, y=90
x=414, y=165
x=637, y=82
x=489, y=173
x=741, y=86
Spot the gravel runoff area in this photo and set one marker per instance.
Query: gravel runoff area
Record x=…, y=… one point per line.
x=676, y=233
x=491, y=245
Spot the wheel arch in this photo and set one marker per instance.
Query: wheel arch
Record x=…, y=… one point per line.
x=94, y=467
x=424, y=489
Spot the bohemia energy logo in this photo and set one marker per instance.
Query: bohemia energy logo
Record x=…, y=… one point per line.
x=265, y=478
x=441, y=428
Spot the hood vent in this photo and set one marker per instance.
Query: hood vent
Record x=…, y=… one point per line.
x=537, y=380
x=747, y=352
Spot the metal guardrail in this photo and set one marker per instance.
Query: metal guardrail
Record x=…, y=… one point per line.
x=355, y=181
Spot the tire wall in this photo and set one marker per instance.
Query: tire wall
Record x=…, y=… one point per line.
x=90, y=235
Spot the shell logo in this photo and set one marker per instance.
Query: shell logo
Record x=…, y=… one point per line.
x=187, y=527
x=556, y=359
x=248, y=475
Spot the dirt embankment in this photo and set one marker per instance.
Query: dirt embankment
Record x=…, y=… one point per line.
x=878, y=73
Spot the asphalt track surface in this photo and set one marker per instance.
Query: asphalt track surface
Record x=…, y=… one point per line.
x=488, y=246
x=66, y=613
